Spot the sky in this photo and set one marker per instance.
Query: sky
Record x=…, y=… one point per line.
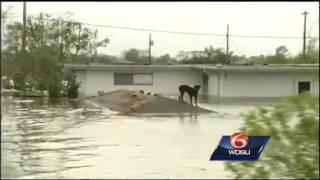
x=244, y=18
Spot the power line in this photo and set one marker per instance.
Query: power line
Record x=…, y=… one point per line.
x=179, y=32
x=274, y=37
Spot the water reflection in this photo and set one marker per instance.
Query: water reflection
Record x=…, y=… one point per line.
x=43, y=138
x=35, y=137
x=191, y=117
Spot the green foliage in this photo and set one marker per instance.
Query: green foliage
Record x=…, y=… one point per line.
x=312, y=54
x=19, y=81
x=276, y=59
x=164, y=59
x=45, y=70
x=49, y=44
x=94, y=43
x=13, y=38
x=311, y=57
x=209, y=55
x=65, y=38
x=293, y=150
x=281, y=50
x=72, y=86
x=137, y=56
x=54, y=85
x=281, y=56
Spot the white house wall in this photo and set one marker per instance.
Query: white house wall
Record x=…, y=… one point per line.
x=316, y=85
x=260, y=84
x=168, y=82
x=213, y=84
x=81, y=77
x=220, y=84
x=165, y=82
x=312, y=77
x=98, y=80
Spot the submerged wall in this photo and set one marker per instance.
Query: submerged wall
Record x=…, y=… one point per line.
x=220, y=84
x=165, y=82
x=260, y=84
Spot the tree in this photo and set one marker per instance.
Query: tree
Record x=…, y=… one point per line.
x=5, y=13
x=49, y=43
x=83, y=58
x=65, y=37
x=164, y=59
x=47, y=72
x=107, y=59
x=137, y=56
x=312, y=54
x=293, y=150
x=94, y=44
x=19, y=81
x=81, y=39
x=4, y=17
x=13, y=38
x=72, y=86
x=209, y=55
x=183, y=55
x=280, y=57
x=281, y=51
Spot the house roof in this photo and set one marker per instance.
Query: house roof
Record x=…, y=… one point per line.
x=264, y=68
x=125, y=67
x=202, y=67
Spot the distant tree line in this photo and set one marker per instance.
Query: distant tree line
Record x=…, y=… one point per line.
x=211, y=55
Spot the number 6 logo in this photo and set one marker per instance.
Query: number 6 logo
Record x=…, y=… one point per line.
x=239, y=140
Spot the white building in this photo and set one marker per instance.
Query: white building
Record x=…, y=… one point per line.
x=216, y=81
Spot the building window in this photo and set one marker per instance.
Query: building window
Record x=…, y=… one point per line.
x=133, y=78
x=123, y=79
x=303, y=86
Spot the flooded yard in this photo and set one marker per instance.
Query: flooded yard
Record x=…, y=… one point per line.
x=41, y=138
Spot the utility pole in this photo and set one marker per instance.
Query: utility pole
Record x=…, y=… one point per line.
x=227, y=48
x=4, y=15
x=150, y=44
x=24, y=27
x=3, y=18
x=304, y=33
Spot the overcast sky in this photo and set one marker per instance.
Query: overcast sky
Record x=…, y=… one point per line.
x=244, y=18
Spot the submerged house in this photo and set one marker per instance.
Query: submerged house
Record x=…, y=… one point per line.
x=216, y=81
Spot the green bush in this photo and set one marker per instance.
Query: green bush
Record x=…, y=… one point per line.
x=293, y=150
x=54, y=87
x=47, y=72
x=72, y=86
x=19, y=81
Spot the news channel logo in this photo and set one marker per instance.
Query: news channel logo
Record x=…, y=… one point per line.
x=239, y=147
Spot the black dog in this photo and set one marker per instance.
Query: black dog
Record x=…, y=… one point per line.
x=192, y=91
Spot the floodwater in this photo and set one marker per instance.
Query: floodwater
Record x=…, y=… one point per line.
x=41, y=138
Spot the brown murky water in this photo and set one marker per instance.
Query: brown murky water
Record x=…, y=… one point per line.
x=64, y=139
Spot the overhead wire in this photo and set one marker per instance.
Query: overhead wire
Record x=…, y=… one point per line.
x=180, y=32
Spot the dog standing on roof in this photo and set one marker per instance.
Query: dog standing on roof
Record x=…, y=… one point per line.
x=192, y=92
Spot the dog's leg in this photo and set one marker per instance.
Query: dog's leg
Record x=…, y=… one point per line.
x=191, y=100
x=196, y=100
x=181, y=96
